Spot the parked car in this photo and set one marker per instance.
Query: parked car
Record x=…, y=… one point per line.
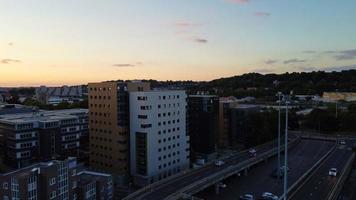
x=342, y=142
x=268, y=196
x=247, y=197
x=333, y=172
x=219, y=163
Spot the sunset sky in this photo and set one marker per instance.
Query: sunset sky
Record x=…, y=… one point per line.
x=79, y=41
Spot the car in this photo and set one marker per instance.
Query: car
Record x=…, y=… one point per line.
x=333, y=172
x=219, y=163
x=269, y=196
x=252, y=152
x=342, y=142
x=247, y=197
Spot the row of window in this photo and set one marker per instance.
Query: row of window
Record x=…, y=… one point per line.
x=168, y=164
x=168, y=130
x=100, y=89
x=100, y=105
x=168, y=105
x=100, y=139
x=100, y=97
x=168, y=114
x=100, y=114
x=168, y=147
x=168, y=97
x=168, y=155
x=168, y=139
x=168, y=122
x=99, y=122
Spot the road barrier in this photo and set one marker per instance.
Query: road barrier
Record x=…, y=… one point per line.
x=141, y=192
x=227, y=172
x=306, y=176
x=334, y=193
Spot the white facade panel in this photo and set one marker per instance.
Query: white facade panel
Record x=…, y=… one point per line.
x=159, y=116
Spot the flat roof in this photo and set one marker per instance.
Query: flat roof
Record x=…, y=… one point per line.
x=42, y=116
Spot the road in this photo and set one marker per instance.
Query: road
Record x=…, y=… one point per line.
x=318, y=186
x=164, y=190
x=301, y=158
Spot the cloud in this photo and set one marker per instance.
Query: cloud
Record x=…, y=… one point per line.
x=201, y=40
x=327, y=69
x=262, y=14
x=309, y=51
x=270, y=61
x=238, y=1
x=10, y=61
x=186, y=24
x=294, y=60
x=346, y=55
x=123, y=65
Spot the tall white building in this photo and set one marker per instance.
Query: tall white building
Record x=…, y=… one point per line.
x=159, y=145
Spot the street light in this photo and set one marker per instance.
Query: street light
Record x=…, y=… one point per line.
x=287, y=97
x=279, y=94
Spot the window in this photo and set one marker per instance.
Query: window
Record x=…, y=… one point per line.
x=74, y=184
x=5, y=186
x=53, y=195
x=52, y=181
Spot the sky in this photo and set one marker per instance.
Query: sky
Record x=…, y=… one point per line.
x=69, y=42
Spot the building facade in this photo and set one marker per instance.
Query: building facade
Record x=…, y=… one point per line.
x=55, y=180
x=225, y=103
x=239, y=123
x=203, y=113
x=109, y=125
x=41, y=136
x=159, y=144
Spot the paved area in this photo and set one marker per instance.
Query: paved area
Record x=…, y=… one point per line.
x=301, y=158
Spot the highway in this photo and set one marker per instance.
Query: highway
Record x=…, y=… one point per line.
x=301, y=158
x=164, y=190
x=319, y=184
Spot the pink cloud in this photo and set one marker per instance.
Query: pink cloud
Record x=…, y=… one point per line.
x=262, y=14
x=238, y=1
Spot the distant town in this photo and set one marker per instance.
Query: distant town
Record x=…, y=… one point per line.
x=147, y=139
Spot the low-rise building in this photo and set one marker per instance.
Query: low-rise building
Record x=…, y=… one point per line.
x=30, y=137
x=339, y=96
x=56, y=179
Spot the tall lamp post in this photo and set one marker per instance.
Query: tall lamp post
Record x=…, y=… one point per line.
x=279, y=94
x=285, y=186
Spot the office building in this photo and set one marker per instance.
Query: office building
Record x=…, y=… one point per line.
x=159, y=144
x=203, y=114
x=225, y=103
x=57, y=179
x=44, y=135
x=239, y=123
x=109, y=125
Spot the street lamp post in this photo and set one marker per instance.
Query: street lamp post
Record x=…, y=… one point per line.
x=279, y=135
x=286, y=151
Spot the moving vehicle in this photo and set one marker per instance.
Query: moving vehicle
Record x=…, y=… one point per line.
x=268, y=196
x=342, y=142
x=252, y=152
x=247, y=197
x=219, y=163
x=333, y=172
